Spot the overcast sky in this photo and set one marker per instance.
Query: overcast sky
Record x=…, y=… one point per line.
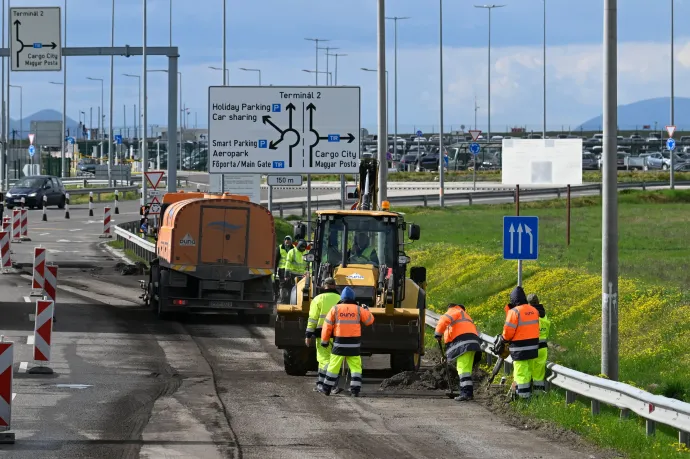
x=269, y=34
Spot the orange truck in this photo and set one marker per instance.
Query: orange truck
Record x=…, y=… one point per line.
x=215, y=253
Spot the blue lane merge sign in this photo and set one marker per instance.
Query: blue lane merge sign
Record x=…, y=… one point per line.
x=334, y=137
x=671, y=144
x=520, y=238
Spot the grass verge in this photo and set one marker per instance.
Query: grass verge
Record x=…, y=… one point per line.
x=461, y=248
x=105, y=197
x=120, y=245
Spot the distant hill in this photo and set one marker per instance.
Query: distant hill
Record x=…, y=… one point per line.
x=43, y=115
x=646, y=113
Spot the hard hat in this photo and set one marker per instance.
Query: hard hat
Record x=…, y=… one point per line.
x=452, y=305
x=533, y=299
x=347, y=294
x=329, y=281
x=287, y=238
x=301, y=245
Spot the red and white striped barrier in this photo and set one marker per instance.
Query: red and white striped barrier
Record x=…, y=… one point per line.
x=25, y=224
x=50, y=286
x=6, y=362
x=106, y=223
x=17, y=225
x=7, y=224
x=43, y=332
x=5, y=251
x=38, y=282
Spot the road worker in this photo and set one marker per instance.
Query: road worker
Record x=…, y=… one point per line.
x=295, y=266
x=458, y=331
x=344, y=324
x=539, y=371
x=281, y=261
x=320, y=306
x=361, y=251
x=521, y=330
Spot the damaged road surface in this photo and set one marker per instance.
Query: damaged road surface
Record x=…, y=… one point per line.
x=133, y=386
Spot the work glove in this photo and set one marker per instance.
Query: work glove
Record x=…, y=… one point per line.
x=325, y=343
x=310, y=334
x=499, y=345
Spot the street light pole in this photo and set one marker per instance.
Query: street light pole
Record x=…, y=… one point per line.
x=112, y=90
x=441, y=197
x=64, y=101
x=21, y=110
x=253, y=70
x=673, y=109
x=225, y=16
x=144, y=143
x=336, y=65
x=544, y=58
x=382, y=104
x=316, y=41
x=609, y=227
x=100, y=122
x=387, y=93
x=327, y=49
x=489, y=8
x=227, y=71
x=395, y=20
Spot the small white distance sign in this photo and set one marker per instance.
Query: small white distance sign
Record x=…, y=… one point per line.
x=541, y=162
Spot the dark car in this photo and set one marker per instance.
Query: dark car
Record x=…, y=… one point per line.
x=87, y=166
x=32, y=189
x=589, y=161
x=428, y=162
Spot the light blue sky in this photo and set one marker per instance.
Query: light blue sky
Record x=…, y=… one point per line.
x=269, y=34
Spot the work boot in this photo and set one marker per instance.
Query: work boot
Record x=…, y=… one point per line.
x=319, y=386
x=324, y=389
x=463, y=398
x=336, y=390
x=354, y=393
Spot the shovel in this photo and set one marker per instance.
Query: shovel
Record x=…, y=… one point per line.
x=444, y=361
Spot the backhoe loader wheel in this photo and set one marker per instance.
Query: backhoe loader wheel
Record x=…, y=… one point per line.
x=405, y=362
x=296, y=361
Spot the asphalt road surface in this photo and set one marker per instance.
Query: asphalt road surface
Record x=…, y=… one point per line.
x=127, y=385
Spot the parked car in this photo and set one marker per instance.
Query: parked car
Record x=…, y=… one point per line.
x=589, y=161
x=86, y=166
x=428, y=162
x=32, y=189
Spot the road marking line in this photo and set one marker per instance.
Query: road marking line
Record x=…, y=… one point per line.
x=63, y=240
x=30, y=340
x=27, y=299
x=44, y=234
x=14, y=394
x=73, y=230
x=23, y=366
x=32, y=317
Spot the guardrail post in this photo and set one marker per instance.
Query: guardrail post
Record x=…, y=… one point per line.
x=489, y=359
x=280, y=210
x=85, y=183
x=644, y=186
x=507, y=368
x=596, y=409
x=651, y=427
x=625, y=413
x=426, y=202
x=684, y=438
x=558, y=193
x=570, y=397
x=304, y=209
x=469, y=198
x=600, y=189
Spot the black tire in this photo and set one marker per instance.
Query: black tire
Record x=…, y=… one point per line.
x=61, y=205
x=296, y=361
x=163, y=295
x=10, y=207
x=153, y=278
x=404, y=362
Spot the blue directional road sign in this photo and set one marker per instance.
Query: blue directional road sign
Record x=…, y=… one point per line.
x=32, y=150
x=419, y=134
x=520, y=238
x=118, y=139
x=70, y=140
x=475, y=148
x=671, y=144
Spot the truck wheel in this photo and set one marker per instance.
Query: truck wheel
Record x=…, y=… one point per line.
x=154, y=276
x=405, y=362
x=296, y=361
x=163, y=294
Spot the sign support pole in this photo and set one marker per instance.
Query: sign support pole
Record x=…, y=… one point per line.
x=517, y=213
x=308, y=206
x=342, y=191
x=270, y=198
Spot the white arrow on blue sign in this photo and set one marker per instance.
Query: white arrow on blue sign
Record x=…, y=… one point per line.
x=671, y=144
x=118, y=139
x=32, y=150
x=475, y=148
x=520, y=238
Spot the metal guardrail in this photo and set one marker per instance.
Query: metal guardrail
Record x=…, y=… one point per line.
x=99, y=191
x=471, y=197
x=142, y=248
x=653, y=408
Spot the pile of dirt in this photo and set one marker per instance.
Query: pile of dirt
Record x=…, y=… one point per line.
x=434, y=378
x=125, y=269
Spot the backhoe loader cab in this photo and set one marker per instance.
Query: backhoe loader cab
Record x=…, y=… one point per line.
x=362, y=249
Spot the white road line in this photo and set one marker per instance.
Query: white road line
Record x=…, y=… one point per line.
x=32, y=317
x=14, y=394
x=27, y=299
x=76, y=229
x=44, y=234
x=30, y=340
x=23, y=367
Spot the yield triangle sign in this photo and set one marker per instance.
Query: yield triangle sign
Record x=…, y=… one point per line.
x=475, y=134
x=154, y=200
x=154, y=178
x=671, y=130
x=31, y=138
